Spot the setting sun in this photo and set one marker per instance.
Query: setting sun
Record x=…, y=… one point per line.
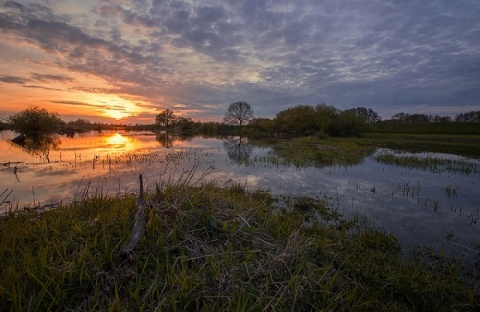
x=115, y=114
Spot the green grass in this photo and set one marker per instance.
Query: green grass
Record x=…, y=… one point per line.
x=447, y=128
x=215, y=249
x=430, y=163
x=451, y=138
x=309, y=151
x=463, y=145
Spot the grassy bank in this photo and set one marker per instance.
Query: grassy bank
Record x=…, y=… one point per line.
x=451, y=138
x=216, y=249
x=448, y=128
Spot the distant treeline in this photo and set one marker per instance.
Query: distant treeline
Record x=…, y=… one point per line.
x=321, y=120
x=473, y=116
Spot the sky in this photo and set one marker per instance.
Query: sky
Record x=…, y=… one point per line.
x=127, y=60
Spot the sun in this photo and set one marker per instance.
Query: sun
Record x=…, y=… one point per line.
x=116, y=114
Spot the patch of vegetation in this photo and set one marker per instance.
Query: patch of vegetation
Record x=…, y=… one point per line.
x=458, y=138
x=309, y=151
x=214, y=249
x=446, y=128
x=429, y=163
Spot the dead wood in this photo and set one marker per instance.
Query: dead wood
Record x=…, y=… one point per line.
x=138, y=229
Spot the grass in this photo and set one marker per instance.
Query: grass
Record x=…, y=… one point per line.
x=435, y=128
x=309, y=151
x=430, y=163
x=451, y=138
x=216, y=249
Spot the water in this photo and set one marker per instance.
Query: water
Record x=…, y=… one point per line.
x=412, y=204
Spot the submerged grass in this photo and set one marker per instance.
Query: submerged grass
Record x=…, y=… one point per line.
x=215, y=248
x=309, y=151
x=430, y=163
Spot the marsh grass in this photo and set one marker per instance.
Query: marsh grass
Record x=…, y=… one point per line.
x=215, y=248
x=430, y=163
x=458, y=143
x=309, y=151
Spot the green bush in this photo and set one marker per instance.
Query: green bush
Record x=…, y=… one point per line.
x=35, y=121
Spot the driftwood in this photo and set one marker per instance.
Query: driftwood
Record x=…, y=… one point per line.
x=138, y=229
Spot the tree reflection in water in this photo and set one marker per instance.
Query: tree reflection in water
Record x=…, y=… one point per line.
x=165, y=139
x=238, y=149
x=168, y=139
x=38, y=145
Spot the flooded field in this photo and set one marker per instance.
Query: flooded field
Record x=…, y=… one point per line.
x=423, y=198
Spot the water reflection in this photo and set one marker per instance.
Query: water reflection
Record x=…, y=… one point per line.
x=38, y=146
x=165, y=139
x=413, y=204
x=169, y=140
x=238, y=149
x=118, y=141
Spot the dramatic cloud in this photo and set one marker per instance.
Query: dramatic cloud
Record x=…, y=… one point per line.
x=196, y=57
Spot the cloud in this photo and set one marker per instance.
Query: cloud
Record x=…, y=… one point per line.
x=202, y=55
x=74, y=103
x=13, y=79
x=41, y=87
x=49, y=78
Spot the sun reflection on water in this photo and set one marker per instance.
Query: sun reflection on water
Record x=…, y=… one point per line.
x=118, y=141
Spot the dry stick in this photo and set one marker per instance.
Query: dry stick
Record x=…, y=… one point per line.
x=33, y=192
x=138, y=229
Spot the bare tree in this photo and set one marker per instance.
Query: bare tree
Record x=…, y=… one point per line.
x=239, y=114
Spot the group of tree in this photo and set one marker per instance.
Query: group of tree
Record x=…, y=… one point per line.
x=473, y=116
x=320, y=120
x=415, y=118
x=167, y=120
x=35, y=121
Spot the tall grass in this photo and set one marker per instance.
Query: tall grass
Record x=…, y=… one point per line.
x=214, y=248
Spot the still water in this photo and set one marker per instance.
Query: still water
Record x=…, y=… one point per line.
x=418, y=206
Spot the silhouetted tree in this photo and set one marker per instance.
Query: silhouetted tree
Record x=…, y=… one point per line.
x=417, y=118
x=239, y=114
x=165, y=119
x=367, y=114
x=473, y=116
x=35, y=121
x=438, y=118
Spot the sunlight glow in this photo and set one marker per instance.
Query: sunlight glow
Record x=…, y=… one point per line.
x=120, y=143
x=116, y=114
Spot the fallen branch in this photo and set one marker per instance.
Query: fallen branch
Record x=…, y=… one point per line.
x=138, y=229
